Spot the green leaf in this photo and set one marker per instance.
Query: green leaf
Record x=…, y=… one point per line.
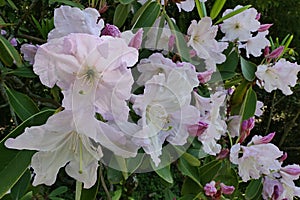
x=121, y=14
x=169, y=195
x=20, y=187
x=67, y=2
x=190, y=171
x=12, y=5
x=141, y=10
x=14, y=163
x=231, y=62
x=117, y=194
x=248, y=69
x=233, y=13
x=181, y=45
x=126, y=1
x=254, y=189
x=208, y=171
x=148, y=16
x=238, y=96
x=217, y=7
x=165, y=173
x=221, y=76
x=28, y=196
x=249, y=104
x=58, y=191
x=114, y=176
x=8, y=54
x=91, y=193
x=23, y=106
x=190, y=187
x=188, y=157
x=23, y=72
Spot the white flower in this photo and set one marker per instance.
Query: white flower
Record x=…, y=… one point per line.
x=187, y=5
x=73, y=20
x=282, y=75
x=256, y=44
x=210, y=113
x=202, y=40
x=241, y=25
x=58, y=144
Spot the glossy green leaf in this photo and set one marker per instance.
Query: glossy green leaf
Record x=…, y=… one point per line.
x=238, y=96
x=249, y=104
x=217, y=7
x=254, y=189
x=169, y=195
x=27, y=196
x=165, y=173
x=233, y=13
x=208, y=171
x=193, y=161
x=121, y=14
x=180, y=42
x=190, y=171
x=231, y=62
x=14, y=163
x=23, y=72
x=189, y=187
x=114, y=176
x=67, y=2
x=148, y=16
x=117, y=194
x=126, y=1
x=58, y=191
x=248, y=69
x=12, y=4
x=23, y=106
x=8, y=54
x=21, y=186
x=138, y=13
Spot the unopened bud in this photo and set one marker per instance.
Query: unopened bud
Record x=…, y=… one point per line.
x=205, y=76
x=197, y=129
x=171, y=42
x=111, y=30
x=226, y=189
x=275, y=53
x=210, y=189
x=137, y=39
x=293, y=170
x=264, y=27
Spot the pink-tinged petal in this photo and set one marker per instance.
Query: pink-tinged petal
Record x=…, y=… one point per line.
x=137, y=39
x=227, y=189
x=275, y=53
x=111, y=30
x=293, y=170
x=171, y=42
x=264, y=27
x=3, y=32
x=13, y=42
x=205, y=76
x=224, y=153
x=29, y=51
x=197, y=129
x=283, y=157
x=210, y=189
x=263, y=140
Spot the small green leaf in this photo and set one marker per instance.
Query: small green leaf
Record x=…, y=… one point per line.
x=28, y=196
x=23, y=72
x=249, y=105
x=14, y=163
x=58, y=191
x=248, y=69
x=8, y=54
x=165, y=173
x=190, y=171
x=126, y=1
x=208, y=171
x=20, y=187
x=121, y=14
x=254, y=189
x=148, y=16
x=12, y=5
x=117, y=194
x=67, y=2
x=217, y=7
x=189, y=187
x=139, y=12
x=233, y=13
x=23, y=106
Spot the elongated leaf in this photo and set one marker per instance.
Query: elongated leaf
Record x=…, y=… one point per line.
x=28, y=196
x=23, y=72
x=138, y=14
x=148, y=16
x=13, y=162
x=117, y=194
x=238, y=96
x=254, y=189
x=126, y=1
x=249, y=104
x=181, y=45
x=23, y=106
x=121, y=14
x=190, y=171
x=58, y=191
x=165, y=173
x=193, y=161
x=8, y=54
x=67, y=2
x=20, y=187
x=233, y=13
x=248, y=69
x=217, y=7
x=12, y=4
x=189, y=187
x=208, y=171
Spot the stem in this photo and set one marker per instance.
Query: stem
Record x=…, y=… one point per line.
x=103, y=182
x=31, y=38
x=288, y=128
x=271, y=114
x=5, y=97
x=78, y=190
x=80, y=157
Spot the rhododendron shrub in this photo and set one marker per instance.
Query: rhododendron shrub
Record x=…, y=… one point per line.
x=151, y=97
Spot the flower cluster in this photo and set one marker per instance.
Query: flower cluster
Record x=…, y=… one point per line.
x=95, y=65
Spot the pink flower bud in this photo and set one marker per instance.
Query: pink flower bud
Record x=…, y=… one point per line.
x=226, y=189
x=247, y=126
x=266, y=139
x=283, y=157
x=3, y=32
x=258, y=16
x=171, y=42
x=266, y=51
x=137, y=39
x=275, y=53
x=197, y=129
x=293, y=170
x=111, y=30
x=210, y=189
x=264, y=27
x=13, y=42
x=193, y=53
x=205, y=76
x=230, y=91
x=223, y=154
